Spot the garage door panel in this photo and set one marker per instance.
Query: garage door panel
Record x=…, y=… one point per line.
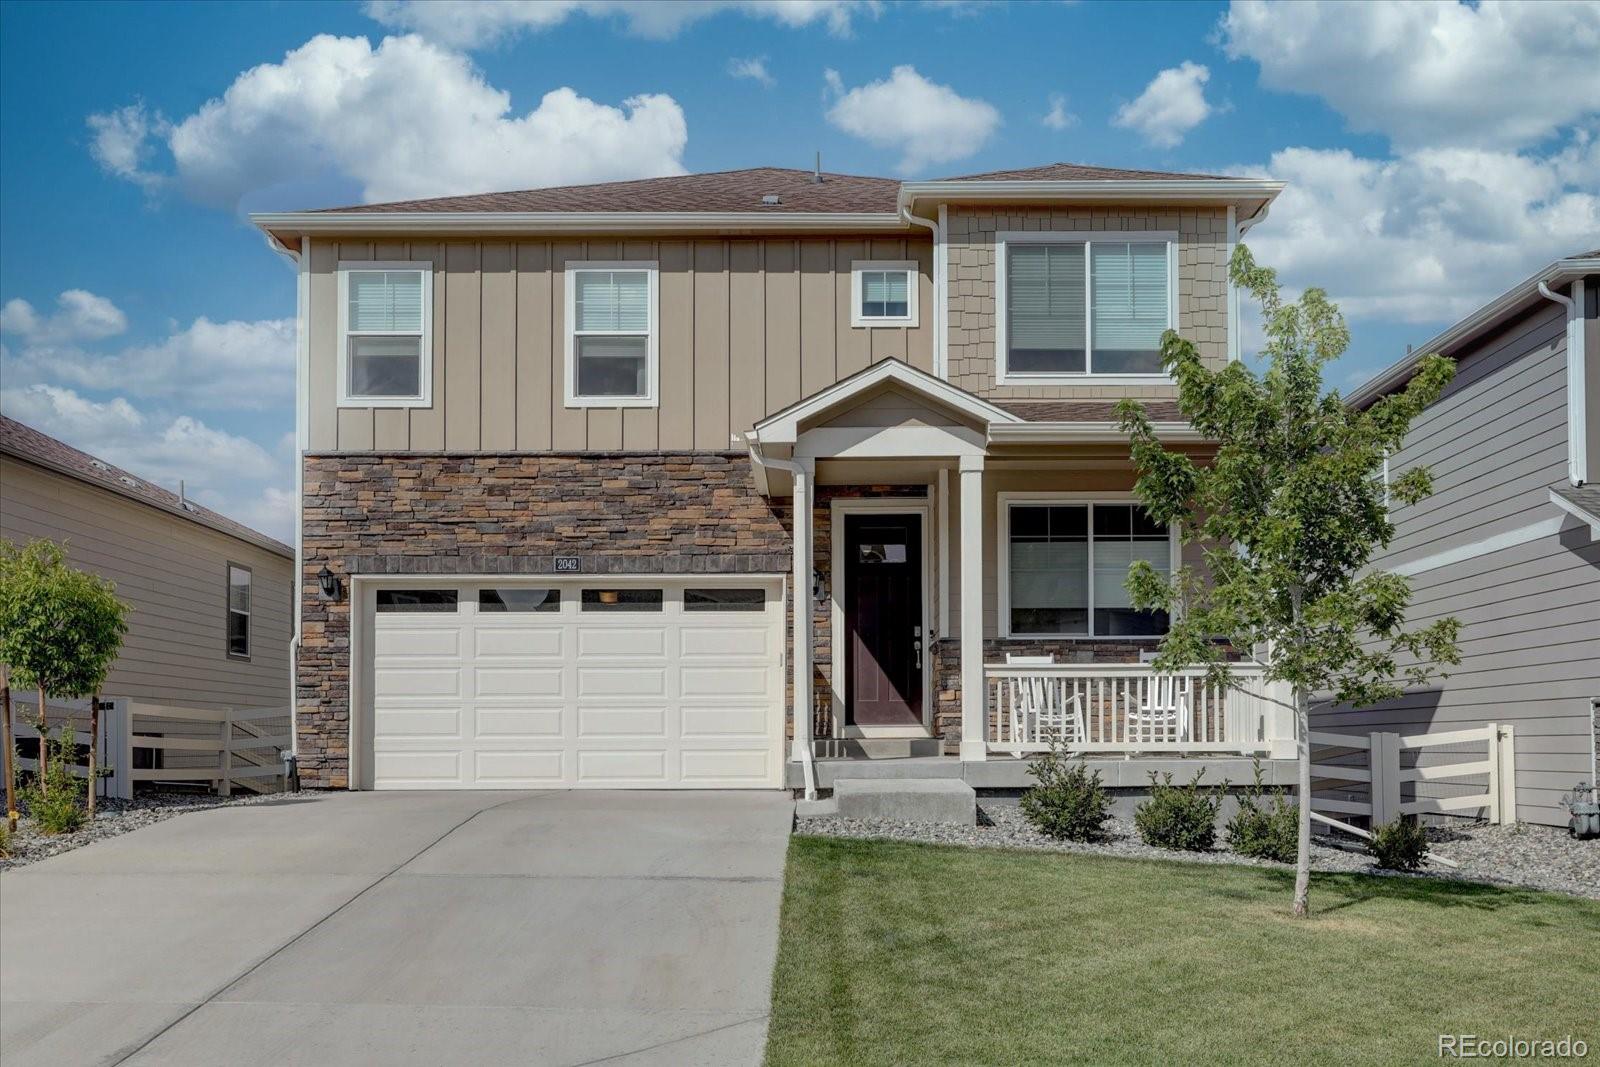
x=622, y=682
x=518, y=722
x=625, y=765
x=722, y=643
x=580, y=696
x=517, y=681
x=749, y=765
x=417, y=682
x=731, y=722
x=519, y=768
x=541, y=642
x=631, y=642
x=621, y=722
x=723, y=681
x=399, y=722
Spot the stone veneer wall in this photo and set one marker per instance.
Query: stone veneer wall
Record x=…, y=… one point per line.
x=457, y=513
x=1202, y=287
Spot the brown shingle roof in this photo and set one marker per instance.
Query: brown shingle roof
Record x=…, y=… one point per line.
x=1082, y=172
x=26, y=443
x=729, y=190
x=1086, y=410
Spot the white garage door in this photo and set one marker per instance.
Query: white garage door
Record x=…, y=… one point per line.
x=496, y=685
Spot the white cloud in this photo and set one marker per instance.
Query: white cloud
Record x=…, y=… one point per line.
x=474, y=23
x=923, y=121
x=1171, y=105
x=1428, y=236
x=225, y=472
x=121, y=143
x=213, y=366
x=407, y=119
x=1058, y=117
x=754, y=68
x=1491, y=74
x=83, y=316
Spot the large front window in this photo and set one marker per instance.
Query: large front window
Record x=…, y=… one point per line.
x=1082, y=307
x=1067, y=566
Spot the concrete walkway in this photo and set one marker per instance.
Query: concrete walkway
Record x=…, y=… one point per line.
x=404, y=928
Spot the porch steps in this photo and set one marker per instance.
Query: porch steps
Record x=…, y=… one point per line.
x=926, y=800
x=880, y=748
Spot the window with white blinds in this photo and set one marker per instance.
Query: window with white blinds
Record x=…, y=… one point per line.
x=1089, y=306
x=384, y=310
x=1065, y=568
x=611, y=341
x=883, y=294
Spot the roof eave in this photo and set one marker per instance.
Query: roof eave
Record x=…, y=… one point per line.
x=1485, y=318
x=280, y=224
x=1086, y=433
x=1182, y=190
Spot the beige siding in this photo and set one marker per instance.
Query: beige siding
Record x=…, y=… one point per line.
x=174, y=574
x=747, y=327
x=970, y=248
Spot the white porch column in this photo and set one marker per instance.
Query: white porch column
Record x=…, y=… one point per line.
x=974, y=730
x=803, y=719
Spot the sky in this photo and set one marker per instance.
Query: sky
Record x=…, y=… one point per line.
x=1436, y=154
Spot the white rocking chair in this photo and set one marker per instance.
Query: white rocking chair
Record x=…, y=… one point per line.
x=1039, y=708
x=1163, y=713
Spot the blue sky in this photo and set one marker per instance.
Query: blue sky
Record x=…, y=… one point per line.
x=146, y=321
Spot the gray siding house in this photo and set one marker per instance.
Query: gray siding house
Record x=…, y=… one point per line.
x=1509, y=542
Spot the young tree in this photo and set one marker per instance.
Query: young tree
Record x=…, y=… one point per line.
x=1290, y=510
x=60, y=630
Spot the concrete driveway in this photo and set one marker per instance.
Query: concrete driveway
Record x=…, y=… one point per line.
x=392, y=928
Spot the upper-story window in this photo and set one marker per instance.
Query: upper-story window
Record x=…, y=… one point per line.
x=883, y=293
x=385, y=334
x=611, y=335
x=238, y=632
x=1081, y=305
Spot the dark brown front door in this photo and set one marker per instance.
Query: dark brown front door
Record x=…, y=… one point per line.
x=883, y=619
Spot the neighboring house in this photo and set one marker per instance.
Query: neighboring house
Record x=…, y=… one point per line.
x=1509, y=542
x=211, y=599
x=554, y=443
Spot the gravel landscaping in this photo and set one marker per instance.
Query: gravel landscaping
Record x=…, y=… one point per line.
x=113, y=817
x=1536, y=857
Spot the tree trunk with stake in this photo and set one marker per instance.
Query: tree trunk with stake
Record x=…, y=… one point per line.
x=44, y=746
x=10, y=756
x=94, y=748
x=1302, y=859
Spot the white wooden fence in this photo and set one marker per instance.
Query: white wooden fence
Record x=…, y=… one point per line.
x=1129, y=708
x=1374, y=761
x=222, y=747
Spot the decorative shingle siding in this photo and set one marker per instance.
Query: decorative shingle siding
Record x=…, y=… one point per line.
x=1202, y=287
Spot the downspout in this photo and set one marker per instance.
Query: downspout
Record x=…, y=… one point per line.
x=940, y=357
x=802, y=602
x=1577, y=416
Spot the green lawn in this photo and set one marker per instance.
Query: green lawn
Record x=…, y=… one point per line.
x=918, y=954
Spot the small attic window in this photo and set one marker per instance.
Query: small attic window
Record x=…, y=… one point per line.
x=771, y=200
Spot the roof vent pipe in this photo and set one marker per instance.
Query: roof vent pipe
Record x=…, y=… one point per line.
x=816, y=170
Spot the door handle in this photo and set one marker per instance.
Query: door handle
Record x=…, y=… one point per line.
x=916, y=646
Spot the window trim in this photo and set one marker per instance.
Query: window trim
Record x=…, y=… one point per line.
x=1003, y=502
x=228, y=611
x=653, y=335
x=913, y=275
x=424, y=399
x=1086, y=238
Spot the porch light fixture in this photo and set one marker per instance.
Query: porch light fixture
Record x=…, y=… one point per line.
x=328, y=582
x=819, y=587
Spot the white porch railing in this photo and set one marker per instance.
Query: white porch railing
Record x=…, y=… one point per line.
x=1128, y=708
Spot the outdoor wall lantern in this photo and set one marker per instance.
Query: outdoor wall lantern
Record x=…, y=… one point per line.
x=329, y=583
x=819, y=587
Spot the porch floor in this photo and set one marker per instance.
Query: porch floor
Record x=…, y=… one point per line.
x=1005, y=772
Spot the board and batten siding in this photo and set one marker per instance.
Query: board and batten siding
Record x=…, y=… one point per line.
x=173, y=572
x=747, y=327
x=1496, y=441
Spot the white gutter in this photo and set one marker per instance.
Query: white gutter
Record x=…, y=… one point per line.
x=1032, y=433
x=506, y=222
x=1186, y=190
x=941, y=358
x=1577, y=413
x=801, y=602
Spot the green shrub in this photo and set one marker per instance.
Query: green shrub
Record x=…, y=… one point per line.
x=5, y=839
x=1182, y=817
x=1266, y=826
x=1068, y=803
x=1401, y=845
x=55, y=796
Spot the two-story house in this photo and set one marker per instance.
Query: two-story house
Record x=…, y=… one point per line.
x=573, y=458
